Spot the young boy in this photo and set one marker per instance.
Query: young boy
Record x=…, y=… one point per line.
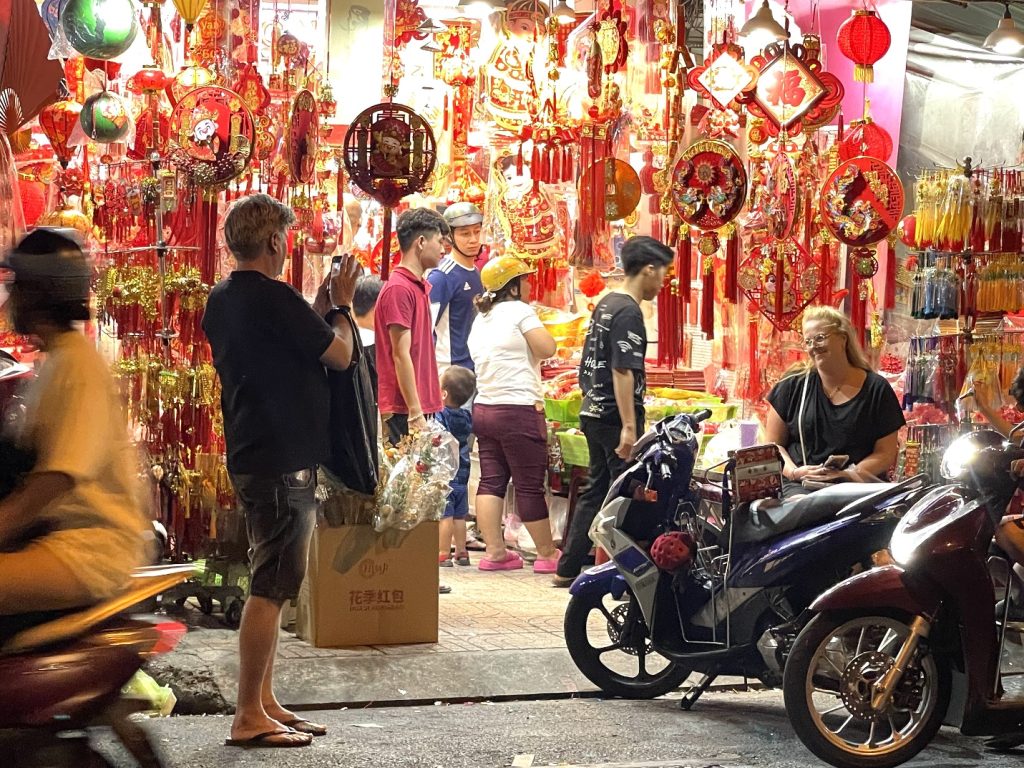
x=457, y=387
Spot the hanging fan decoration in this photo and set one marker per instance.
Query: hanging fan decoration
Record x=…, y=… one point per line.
x=11, y=119
x=389, y=153
x=99, y=29
x=212, y=136
x=793, y=93
x=302, y=140
x=861, y=205
x=620, y=183
x=780, y=280
x=707, y=191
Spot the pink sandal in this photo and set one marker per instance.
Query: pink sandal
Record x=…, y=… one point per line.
x=511, y=562
x=547, y=565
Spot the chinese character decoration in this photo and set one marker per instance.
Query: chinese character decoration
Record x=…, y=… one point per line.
x=861, y=205
x=720, y=80
x=708, y=190
x=793, y=93
x=390, y=152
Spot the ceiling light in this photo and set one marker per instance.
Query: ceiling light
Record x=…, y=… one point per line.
x=762, y=29
x=1006, y=38
x=563, y=12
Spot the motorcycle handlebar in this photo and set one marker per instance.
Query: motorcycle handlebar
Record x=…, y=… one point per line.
x=701, y=415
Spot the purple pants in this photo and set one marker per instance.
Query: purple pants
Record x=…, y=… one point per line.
x=513, y=444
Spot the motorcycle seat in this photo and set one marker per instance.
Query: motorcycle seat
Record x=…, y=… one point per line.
x=762, y=522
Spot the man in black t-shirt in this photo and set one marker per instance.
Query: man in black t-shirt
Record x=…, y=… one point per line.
x=269, y=349
x=613, y=381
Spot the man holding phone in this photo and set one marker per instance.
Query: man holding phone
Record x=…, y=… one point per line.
x=270, y=348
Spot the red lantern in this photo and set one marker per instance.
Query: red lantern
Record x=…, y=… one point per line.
x=148, y=79
x=866, y=137
x=863, y=38
x=907, y=231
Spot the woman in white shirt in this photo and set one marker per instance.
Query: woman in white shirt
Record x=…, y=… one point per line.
x=507, y=344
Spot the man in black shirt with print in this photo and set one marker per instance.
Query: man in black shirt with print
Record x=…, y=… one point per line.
x=270, y=348
x=613, y=382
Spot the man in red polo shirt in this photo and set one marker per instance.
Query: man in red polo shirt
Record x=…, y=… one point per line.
x=409, y=389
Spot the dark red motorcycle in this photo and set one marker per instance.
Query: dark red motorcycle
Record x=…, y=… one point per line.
x=892, y=653
x=63, y=672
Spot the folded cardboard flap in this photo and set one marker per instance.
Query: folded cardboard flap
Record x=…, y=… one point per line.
x=365, y=588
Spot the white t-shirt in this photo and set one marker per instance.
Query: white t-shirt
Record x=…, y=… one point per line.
x=506, y=372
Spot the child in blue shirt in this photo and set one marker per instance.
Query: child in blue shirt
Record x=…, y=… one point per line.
x=458, y=385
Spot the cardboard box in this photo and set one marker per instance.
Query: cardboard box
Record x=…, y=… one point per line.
x=369, y=588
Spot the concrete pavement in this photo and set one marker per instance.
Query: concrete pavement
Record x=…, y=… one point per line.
x=731, y=730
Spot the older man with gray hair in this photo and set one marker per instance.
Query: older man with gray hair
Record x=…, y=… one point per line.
x=270, y=349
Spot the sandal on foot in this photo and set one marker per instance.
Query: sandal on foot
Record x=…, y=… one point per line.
x=511, y=562
x=271, y=740
x=462, y=558
x=305, y=726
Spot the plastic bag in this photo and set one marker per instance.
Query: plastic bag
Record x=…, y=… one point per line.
x=160, y=697
x=418, y=473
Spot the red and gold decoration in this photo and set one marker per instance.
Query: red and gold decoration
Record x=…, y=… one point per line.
x=302, y=140
x=390, y=152
x=864, y=39
x=212, y=136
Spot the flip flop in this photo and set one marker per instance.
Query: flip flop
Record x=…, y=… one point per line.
x=305, y=726
x=444, y=589
x=265, y=741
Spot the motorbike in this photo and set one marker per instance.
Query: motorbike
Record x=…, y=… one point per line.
x=888, y=655
x=62, y=672
x=703, y=579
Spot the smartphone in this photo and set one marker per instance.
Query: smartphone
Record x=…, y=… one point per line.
x=335, y=266
x=836, y=461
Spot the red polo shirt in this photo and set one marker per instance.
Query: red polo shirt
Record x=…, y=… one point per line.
x=405, y=302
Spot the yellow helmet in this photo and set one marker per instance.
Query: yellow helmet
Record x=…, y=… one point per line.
x=497, y=273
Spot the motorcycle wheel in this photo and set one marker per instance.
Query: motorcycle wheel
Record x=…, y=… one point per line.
x=828, y=683
x=623, y=663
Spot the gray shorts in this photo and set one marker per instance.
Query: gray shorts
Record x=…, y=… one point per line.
x=280, y=512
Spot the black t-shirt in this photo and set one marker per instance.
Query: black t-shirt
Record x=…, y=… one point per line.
x=851, y=428
x=267, y=342
x=616, y=338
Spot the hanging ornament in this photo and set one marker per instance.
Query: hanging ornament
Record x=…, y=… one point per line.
x=189, y=10
x=866, y=137
x=780, y=279
x=105, y=118
x=58, y=121
x=389, y=153
x=302, y=139
x=781, y=198
x=190, y=78
x=709, y=185
x=100, y=29
x=621, y=187
x=864, y=39
x=793, y=93
x=212, y=135
x=862, y=201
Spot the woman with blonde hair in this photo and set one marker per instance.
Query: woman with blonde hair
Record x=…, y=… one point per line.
x=833, y=418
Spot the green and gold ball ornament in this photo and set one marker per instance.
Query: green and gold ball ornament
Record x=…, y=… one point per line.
x=104, y=118
x=100, y=29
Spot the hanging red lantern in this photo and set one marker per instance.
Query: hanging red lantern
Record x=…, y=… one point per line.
x=863, y=38
x=866, y=137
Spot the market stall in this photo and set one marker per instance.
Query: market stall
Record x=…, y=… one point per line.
x=758, y=141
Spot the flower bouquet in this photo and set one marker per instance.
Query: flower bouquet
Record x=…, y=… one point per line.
x=416, y=477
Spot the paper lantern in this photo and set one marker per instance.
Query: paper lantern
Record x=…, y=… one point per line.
x=863, y=39
x=866, y=137
x=149, y=79
x=190, y=78
x=57, y=121
x=104, y=118
x=100, y=29
x=189, y=10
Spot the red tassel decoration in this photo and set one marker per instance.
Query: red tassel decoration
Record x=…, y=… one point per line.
x=446, y=112
x=536, y=171
x=707, y=307
x=890, y=279
x=780, y=280
x=732, y=268
x=556, y=165
x=684, y=267
x=825, y=287
x=753, y=341
x=519, y=160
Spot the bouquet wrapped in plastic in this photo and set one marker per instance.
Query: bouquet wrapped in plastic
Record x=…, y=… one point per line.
x=416, y=479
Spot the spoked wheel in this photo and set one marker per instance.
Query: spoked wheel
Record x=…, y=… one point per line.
x=829, y=682
x=608, y=640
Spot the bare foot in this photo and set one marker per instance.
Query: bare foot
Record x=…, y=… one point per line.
x=247, y=727
x=276, y=712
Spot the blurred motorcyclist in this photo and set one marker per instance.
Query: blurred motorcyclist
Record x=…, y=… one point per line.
x=72, y=532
